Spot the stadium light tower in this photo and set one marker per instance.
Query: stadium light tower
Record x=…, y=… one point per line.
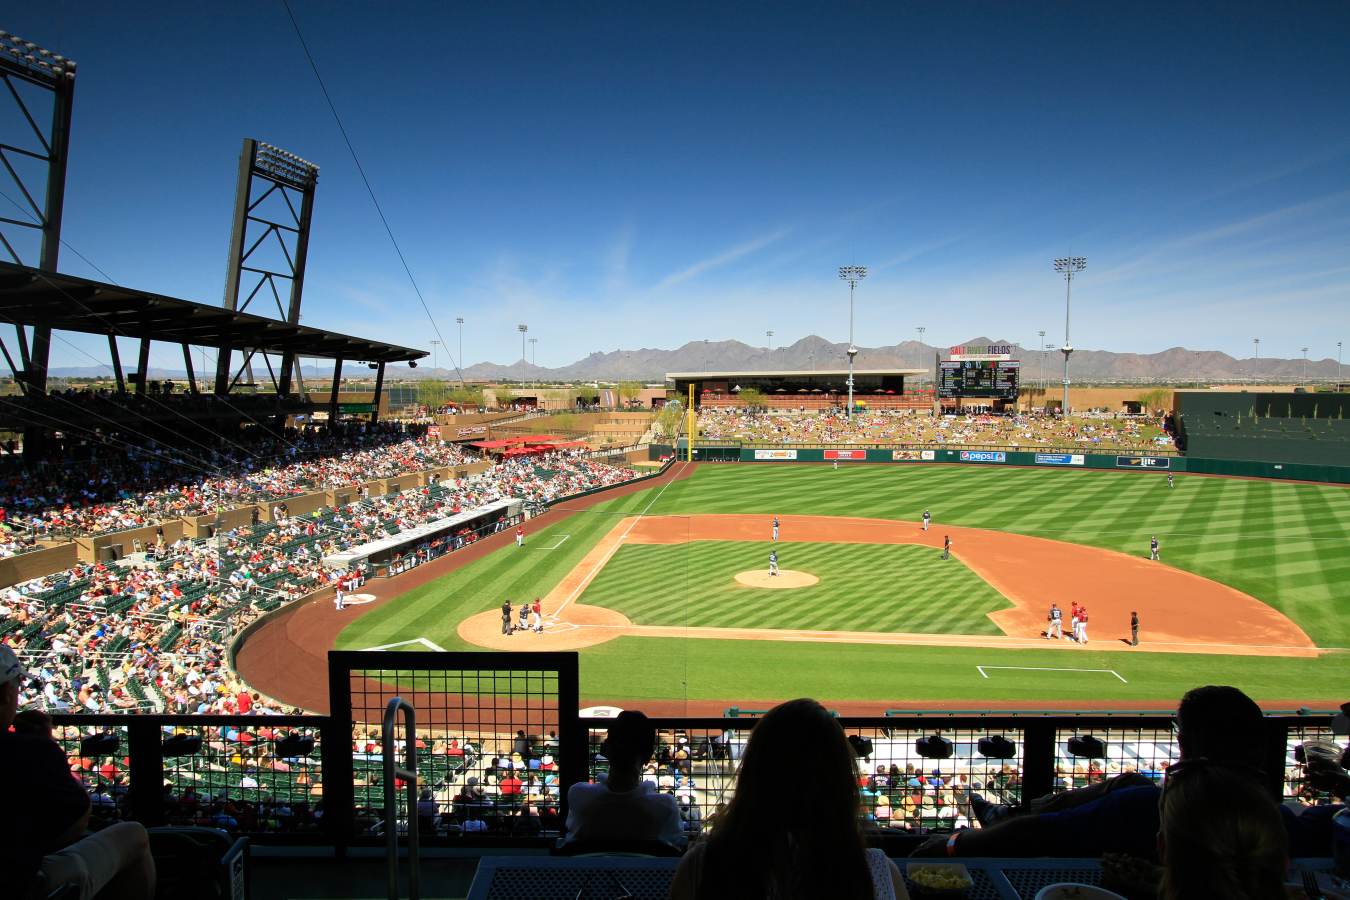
x=1068, y=266
x=434, y=345
x=1305, y=367
x=1340, y=371
x=853, y=275
x=1041, y=379
x=522, y=329
x=769, y=335
x=459, y=366
x=921, y=329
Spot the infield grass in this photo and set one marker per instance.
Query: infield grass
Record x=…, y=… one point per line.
x=863, y=587
x=1286, y=544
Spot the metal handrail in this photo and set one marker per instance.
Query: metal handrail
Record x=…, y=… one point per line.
x=409, y=776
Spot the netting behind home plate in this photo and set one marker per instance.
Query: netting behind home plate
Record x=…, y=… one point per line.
x=496, y=736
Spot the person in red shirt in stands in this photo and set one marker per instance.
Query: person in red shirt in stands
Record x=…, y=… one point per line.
x=510, y=786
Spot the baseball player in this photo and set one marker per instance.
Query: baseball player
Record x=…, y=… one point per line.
x=1056, y=619
x=338, y=598
x=1082, y=624
x=1074, y=611
x=1153, y=548
x=524, y=616
x=946, y=546
x=773, y=562
x=536, y=617
x=506, y=617
x=836, y=465
x=1134, y=627
x=1170, y=483
x=520, y=535
x=775, y=528
x=926, y=519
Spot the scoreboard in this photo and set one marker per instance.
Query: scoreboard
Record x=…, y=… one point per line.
x=986, y=379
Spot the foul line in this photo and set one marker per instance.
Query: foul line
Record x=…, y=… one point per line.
x=590, y=576
x=423, y=641
x=555, y=546
x=1050, y=669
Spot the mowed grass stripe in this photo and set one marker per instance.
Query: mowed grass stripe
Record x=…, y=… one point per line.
x=863, y=587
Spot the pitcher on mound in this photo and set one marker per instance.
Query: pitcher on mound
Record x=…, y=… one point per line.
x=773, y=562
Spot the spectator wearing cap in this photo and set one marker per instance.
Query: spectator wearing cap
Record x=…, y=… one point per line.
x=621, y=806
x=46, y=812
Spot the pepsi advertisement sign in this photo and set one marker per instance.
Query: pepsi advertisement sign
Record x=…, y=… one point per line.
x=994, y=456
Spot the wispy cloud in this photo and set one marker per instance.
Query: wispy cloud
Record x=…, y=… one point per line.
x=727, y=256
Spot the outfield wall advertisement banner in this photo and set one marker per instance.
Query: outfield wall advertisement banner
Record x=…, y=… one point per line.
x=912, y=455
x=856, y=455
x=775, y=454
x=1143, y=462
x=1060, y=459
x=994, y=456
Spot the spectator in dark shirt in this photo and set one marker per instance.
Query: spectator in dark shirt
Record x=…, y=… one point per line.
x=1221, y=836
x=46, y=811
x=1120, y=815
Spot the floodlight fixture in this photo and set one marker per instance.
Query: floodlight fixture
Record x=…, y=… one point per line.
x=38, y=62
x=522, y=329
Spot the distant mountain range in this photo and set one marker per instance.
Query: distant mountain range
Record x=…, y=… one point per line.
x=1169, y=366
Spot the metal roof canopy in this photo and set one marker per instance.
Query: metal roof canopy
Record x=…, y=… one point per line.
x=30, y=296
x=692, y=376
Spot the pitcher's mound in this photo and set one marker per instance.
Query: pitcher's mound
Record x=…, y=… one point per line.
x=786, y=578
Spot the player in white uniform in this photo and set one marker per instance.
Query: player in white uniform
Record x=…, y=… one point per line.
x=773, y=562
x=926, y=519
x=1153, y=548
x=1169, y=480
x=1056, y=628
x=338, y=598
x=775, y=528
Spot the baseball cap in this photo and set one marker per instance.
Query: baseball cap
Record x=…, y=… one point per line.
x=10, y=667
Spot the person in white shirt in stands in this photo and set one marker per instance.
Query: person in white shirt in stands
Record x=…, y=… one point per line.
x=623, y=807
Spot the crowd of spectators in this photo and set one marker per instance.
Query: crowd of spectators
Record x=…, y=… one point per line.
x=1090, y=431
x=151, y=633
x=100, y=488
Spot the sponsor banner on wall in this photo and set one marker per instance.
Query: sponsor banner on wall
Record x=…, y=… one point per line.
x=929, y=455
x=902, y=455
x=857, y=455
x=1143, y=462
x=1060, y=459
x=474, y=431
x=775, y=454
x=996, y=456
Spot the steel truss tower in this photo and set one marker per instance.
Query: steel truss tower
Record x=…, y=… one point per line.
x=274, y=203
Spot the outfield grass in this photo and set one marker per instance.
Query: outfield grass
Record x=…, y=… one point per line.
x=863, y=587
x=1286, y=544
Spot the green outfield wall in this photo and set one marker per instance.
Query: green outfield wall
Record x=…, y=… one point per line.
x=1060, y=459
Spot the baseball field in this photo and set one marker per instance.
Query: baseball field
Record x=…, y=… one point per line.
x=666, y=594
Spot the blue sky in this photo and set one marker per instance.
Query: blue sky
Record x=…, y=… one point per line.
x=623, y=175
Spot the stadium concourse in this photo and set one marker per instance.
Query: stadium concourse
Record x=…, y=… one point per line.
x=1101, y=431
x=151, y=633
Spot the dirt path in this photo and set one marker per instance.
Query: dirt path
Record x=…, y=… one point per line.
x=1180, y=612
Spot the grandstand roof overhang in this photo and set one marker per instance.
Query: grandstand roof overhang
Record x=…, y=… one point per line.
x=807, y=373
x=31, y=296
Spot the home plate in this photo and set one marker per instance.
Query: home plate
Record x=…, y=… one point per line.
x=786, y=578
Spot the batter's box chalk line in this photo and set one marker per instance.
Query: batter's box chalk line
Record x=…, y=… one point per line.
x=556, y=545
x=985, y=674
x=420, y=640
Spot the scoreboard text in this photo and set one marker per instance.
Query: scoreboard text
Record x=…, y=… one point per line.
x=986, y=379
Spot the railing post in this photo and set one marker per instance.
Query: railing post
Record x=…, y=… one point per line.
x=146, y=771
x=339, y=818
x=1038, y=759
x=573, y=745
